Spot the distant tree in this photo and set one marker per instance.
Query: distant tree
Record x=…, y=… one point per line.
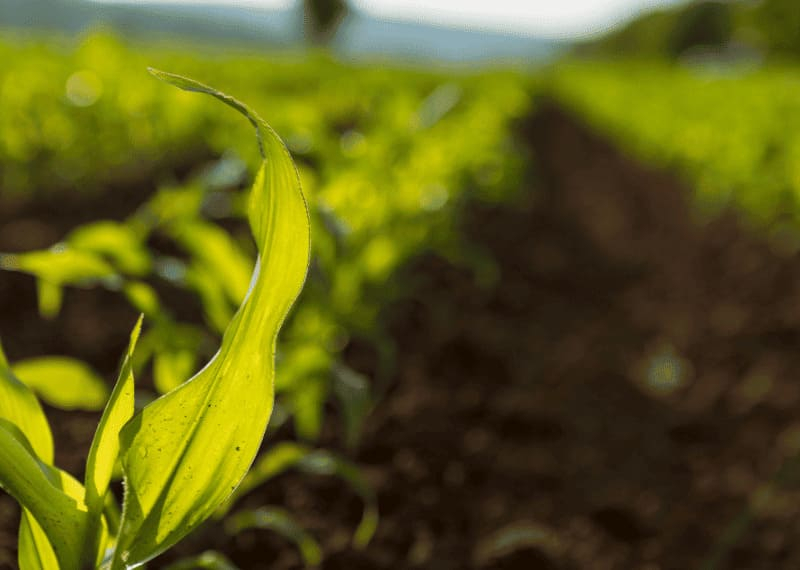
x=779, y=24
x=702, y=24
x=321, y=18
x=671, y=33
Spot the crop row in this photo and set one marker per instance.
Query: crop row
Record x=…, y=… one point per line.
x=731, y=131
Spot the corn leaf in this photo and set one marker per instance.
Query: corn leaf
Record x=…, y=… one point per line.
x=217, y=254
x=60, y=265
x=115, y=242
x=50, y=297
x=19, y=406
x=63, y=382
x=172, y=367
x=34, y=549
x=105, y=446
x=38, y=488
x=184, y=453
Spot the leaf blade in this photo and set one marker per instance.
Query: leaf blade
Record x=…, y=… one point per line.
x=19, y=405
x=183, y=454
x=61, y=514
x=63, y=382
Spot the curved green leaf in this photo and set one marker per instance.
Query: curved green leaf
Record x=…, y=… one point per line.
x=63, y=382
x=114, y=241
x=38, y=488
x=105, y=446
x=34, y=549
x=171, y=368
x=19, y=406
x=50, y=297
x=219, y=256
x=184, y=453
x=59, y=265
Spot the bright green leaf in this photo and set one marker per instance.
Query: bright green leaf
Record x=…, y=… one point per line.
x=218, y=309
x=38, y=488
x=172, y=367
x=143, y=297
x=218, y=255
x=34, y=549
x=185, y=453
x=115, y=242
x=50, y=296
x=308, y=406
x=19, y=406
x=105, y=446
x=63, y=382
x=60, y=265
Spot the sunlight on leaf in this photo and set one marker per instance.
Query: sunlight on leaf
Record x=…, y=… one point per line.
x=63, y=382
x=35, y=551
x=115, y=242
x=19, y=406
x=38, y=488
x=184, y=453
x=105, y=445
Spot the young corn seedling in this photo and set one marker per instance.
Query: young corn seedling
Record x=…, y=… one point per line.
x=185, y=453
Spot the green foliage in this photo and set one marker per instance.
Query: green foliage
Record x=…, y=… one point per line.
x=778, y=26
x=385, y=156
x=63, y=382
x=672, y=32
x=186, y=452
x=183, y=454
x=731, y=133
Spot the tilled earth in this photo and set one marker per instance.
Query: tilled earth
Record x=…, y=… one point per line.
x=623, y=393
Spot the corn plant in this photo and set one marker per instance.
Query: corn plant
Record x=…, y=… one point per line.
x=184, y=454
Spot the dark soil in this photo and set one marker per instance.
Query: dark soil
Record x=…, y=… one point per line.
x=624, y=395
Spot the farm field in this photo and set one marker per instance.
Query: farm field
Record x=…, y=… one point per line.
x=549, y=321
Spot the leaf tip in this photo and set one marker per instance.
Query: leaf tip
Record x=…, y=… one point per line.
x=137, y=329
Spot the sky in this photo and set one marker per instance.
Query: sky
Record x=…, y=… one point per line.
x=546, y=18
